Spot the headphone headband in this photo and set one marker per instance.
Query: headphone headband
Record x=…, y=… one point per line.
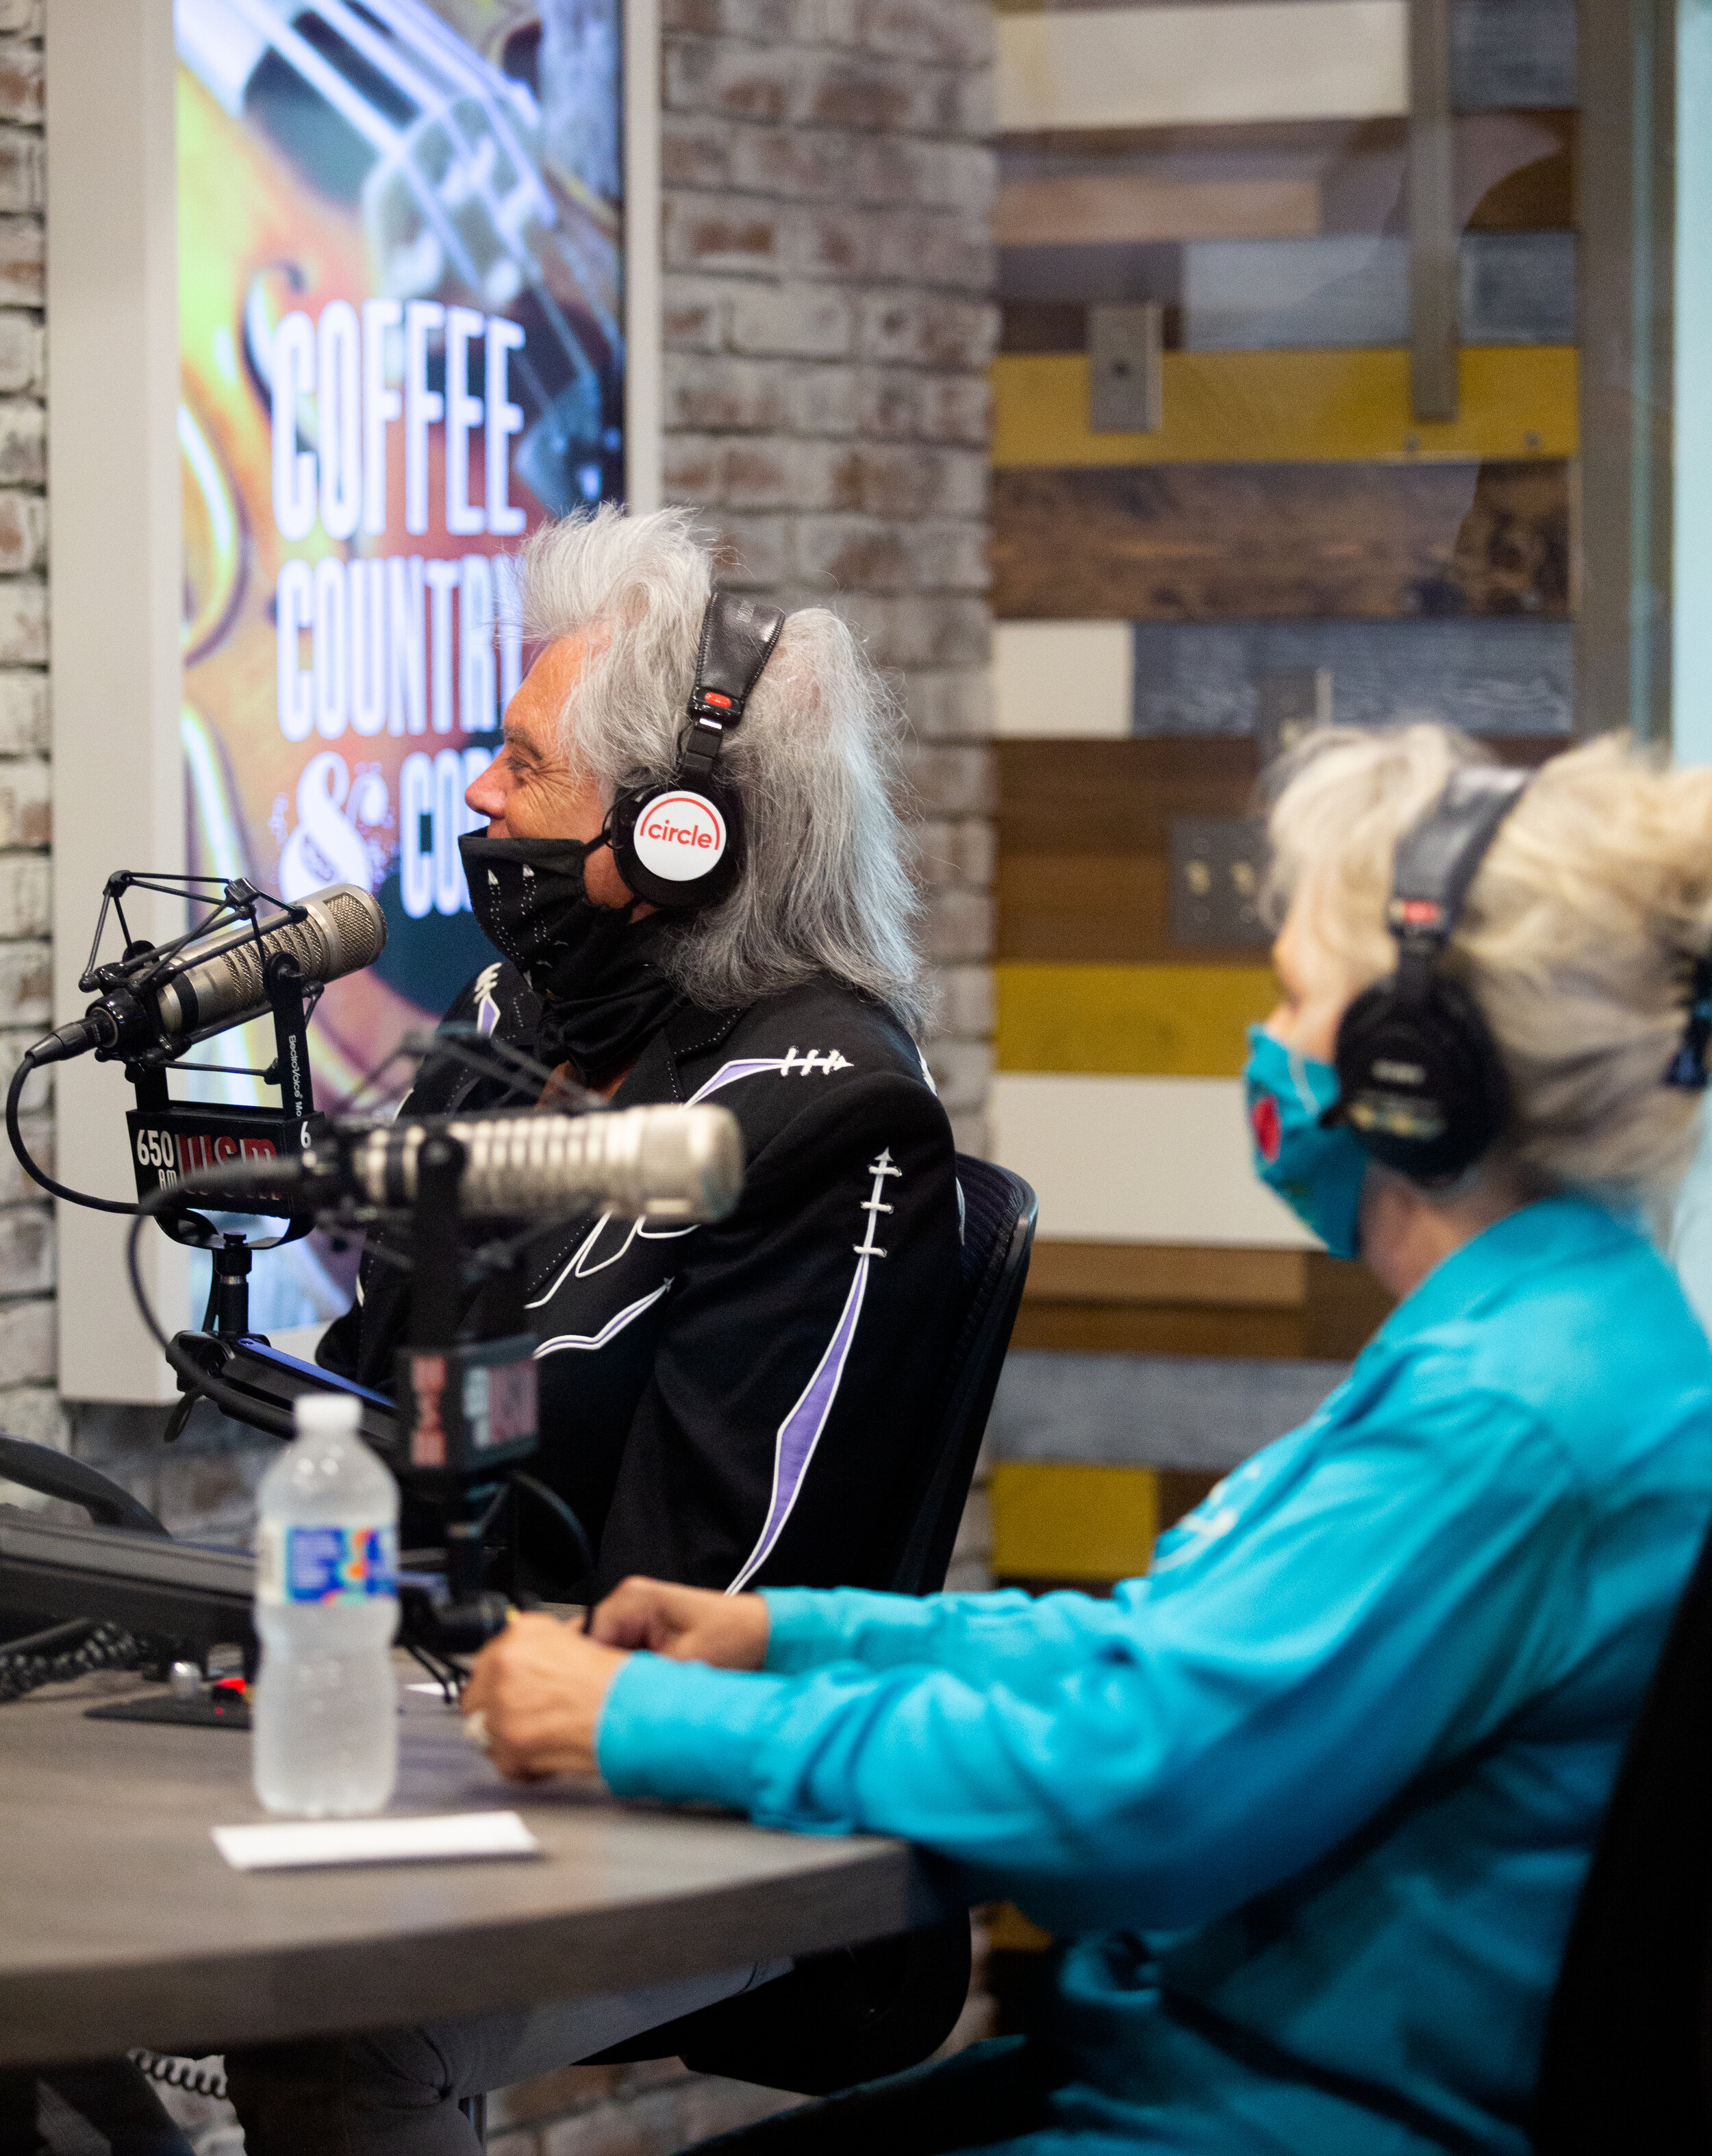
x=1438, y=857
x=680, y=846
x=1421, y=1085
x=737, y=640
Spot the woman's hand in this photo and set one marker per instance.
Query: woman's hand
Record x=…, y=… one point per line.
x=686, y=1624
x=538, y=1689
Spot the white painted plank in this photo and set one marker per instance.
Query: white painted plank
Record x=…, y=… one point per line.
x=1226, y=63
x=1072, y=677
x=1137, y=1160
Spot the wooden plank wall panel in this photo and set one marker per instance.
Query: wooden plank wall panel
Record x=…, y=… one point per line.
x=1123, y=1410
x=1512, y=53
x=1292, y=408
x=1118, y=1158
x=1510, y=674
x=1230, y=63
x=1205, y=542
x=1514, y=288
x=1183, y=1021
x=1176, y=1299
x=1121, y=208
x=1083, y=830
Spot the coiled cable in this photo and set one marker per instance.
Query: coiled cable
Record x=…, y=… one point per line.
x=195, y=2076
x=64, y=1651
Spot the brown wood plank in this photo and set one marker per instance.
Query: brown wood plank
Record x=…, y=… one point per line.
x=1083, y=208
x=1117, y=797
x=1339, y=1308
x=1104, y=1329
x=1167, y=1272
x=1211, y=542
x=1099, y=909
x=1084, y=834
x=1083, y=831
x=1346, y=1306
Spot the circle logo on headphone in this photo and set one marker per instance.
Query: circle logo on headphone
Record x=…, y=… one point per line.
x=680, y=836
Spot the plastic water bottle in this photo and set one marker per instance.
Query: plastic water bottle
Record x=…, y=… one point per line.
x=325, y=1710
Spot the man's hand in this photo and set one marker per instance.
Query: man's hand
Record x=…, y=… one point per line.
x=686, y=1624
x=540, y=1688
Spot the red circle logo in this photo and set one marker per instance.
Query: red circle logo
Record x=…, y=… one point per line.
x=680, y=836
x=1267, y=1125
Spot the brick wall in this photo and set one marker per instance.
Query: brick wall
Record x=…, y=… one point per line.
x=828, y=266
x=27, y=1405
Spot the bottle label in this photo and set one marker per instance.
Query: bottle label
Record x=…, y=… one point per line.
x=325, y=1564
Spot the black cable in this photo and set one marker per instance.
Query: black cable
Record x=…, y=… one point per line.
x=561, y=1511
x=20, y=1078
x=55, y=1635
x=242, y=1407
x=449, y=1675
x=195, y=2076
x=107, y=1647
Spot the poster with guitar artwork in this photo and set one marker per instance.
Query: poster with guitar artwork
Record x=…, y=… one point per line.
x=400, y=306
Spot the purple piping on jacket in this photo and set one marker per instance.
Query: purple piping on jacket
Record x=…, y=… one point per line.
x=728, y=1074
x=800, y=1432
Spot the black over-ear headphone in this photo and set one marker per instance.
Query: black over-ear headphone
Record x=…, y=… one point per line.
x=1421, y=1085
x=679, y=844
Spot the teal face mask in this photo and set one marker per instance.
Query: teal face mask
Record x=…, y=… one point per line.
x=1317, y=1172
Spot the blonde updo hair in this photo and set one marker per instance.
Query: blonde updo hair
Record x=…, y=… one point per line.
x=1576, y=942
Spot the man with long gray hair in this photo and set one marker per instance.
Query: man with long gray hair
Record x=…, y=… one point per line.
x=732, y=1405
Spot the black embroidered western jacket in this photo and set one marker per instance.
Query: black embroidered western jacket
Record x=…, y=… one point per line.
x=732, y=1404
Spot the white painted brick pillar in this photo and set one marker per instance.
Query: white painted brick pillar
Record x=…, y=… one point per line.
x=29, y=1407
x=828, y=264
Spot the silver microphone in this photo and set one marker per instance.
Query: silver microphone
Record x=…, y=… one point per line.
x=657, y=1163
x=216, y=980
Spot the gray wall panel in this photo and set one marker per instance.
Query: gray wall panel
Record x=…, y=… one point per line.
x=1512, y=53
x=1498, y=677
x=1150, y=1410
x=1320, y=294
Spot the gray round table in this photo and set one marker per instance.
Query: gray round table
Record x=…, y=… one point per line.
x=121, y=1924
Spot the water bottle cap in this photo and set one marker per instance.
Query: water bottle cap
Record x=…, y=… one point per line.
x=325, y=1414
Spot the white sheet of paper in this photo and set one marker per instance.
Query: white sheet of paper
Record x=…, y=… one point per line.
x=296, y=1844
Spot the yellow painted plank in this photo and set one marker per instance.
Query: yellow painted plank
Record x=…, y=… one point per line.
x=1052, y=1522
x=1008, y=1931
x=1151, y=1021
x=1518, y=400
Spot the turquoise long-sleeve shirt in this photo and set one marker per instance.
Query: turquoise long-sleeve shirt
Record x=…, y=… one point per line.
x=1314, y=1799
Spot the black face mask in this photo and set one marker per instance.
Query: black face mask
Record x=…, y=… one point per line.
x=597, y=973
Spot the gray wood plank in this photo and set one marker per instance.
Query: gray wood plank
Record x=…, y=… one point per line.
x=1353, y=289
x=1513, y=54
x=1487, y=676
x=120, y=1925
x=1151, y=1410
x=1341, y=290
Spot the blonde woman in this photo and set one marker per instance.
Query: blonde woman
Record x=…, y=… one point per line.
x=1311, y=1803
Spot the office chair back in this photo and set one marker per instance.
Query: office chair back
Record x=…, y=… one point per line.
x=1627, y=2058
x=999, y=1214
x=862, y=2012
